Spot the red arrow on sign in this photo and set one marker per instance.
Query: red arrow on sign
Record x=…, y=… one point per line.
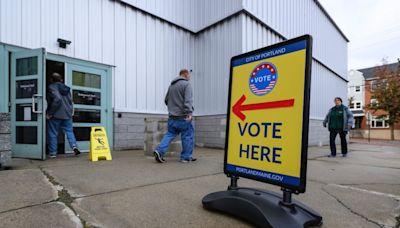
x=239, y=107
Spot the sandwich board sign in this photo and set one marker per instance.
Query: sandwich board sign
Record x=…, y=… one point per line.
x=268, y=113
x=267, y=134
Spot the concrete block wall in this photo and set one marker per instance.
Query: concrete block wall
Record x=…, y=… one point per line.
x=375, y=133
x=155, y=129
x=5, y=140
x=129, y=130
x=317, y=134
x=210, y=131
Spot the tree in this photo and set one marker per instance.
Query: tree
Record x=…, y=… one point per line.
x=350, y=101
x=386, y=91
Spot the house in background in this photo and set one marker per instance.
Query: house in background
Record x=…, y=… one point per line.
x=356, y=96
x=361, y=87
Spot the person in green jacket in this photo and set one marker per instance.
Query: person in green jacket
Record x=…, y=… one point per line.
x=339, y=121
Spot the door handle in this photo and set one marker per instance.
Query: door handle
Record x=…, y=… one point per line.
x=33, y=103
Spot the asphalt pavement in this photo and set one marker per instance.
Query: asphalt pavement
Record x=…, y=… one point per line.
x=132, y=190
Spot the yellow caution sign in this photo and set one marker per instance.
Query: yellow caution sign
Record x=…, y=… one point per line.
x=99, y=147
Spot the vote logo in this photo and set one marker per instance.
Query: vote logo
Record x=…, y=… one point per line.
x=263, y=79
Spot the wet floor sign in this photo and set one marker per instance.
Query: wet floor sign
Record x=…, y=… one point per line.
x=99, y=148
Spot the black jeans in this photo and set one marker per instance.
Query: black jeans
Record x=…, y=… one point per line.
x=343, y=141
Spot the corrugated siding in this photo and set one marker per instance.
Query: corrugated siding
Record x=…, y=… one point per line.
x=146, y=52
x=11, y=21
x=191, y=14
x=213, y=51
x=324, y=84
x=293, y=18
x=256, y=36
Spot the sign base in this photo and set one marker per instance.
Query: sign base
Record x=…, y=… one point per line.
x=262, y=208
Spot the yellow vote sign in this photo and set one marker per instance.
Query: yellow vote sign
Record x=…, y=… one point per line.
x=99, y=148
x=268, y=114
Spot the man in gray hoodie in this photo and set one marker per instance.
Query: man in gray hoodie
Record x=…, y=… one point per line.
x=179, y=100
x=59, y=114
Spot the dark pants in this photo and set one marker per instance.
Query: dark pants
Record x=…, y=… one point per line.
x=332, y=137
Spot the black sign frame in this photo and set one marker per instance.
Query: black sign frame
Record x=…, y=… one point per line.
x=301, y=188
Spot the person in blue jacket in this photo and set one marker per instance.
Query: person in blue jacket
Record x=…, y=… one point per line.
x=59, y=114
x=339, y=121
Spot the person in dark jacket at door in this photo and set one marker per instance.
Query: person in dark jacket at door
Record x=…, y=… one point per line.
x=59, y=114
x=179, y=100
x=339, y=121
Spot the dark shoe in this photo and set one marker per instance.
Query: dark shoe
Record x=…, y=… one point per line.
x=331, y=156
x=76, y=151
x=344, y=155
x=158, y=157
x=188, y=160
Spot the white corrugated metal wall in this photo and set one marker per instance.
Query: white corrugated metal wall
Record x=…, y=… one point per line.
x=293, y=18
x=213, y=51
x=148, y=52
x=191, y=14
x=325, y=85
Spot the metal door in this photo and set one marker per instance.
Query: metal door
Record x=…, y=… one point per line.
x=88, y=86
x=27, y=104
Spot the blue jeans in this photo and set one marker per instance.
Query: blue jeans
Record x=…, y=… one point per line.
x=175, y=127
x=66, y=126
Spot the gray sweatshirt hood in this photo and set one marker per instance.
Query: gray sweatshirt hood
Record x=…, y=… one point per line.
x=177, y=79
x=179, y=98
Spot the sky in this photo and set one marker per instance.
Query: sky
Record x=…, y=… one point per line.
x=372, y=26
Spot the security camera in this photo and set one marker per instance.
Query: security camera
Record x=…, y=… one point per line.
x=63, y=43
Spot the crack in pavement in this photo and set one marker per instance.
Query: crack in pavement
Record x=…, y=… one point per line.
x=29, y=206
x=63, y=196
x=350, y=163
x=349, y=209
x=396, y=197
x=146, y=185
x=372, y=184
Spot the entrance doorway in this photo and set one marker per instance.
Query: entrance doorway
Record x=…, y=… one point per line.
x=30, y=73
x=358, y=122
x=55, y=67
